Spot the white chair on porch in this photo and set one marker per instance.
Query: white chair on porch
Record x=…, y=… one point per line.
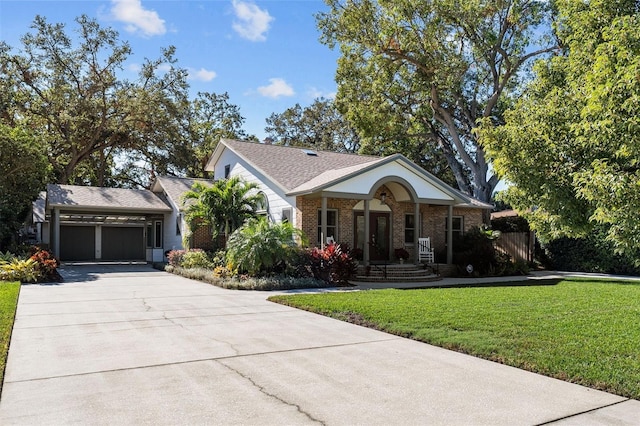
x=425, y=251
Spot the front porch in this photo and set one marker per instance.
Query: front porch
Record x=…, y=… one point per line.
x=390, y=220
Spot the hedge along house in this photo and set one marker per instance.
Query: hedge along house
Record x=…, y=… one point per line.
x=85, y=223
x=377, y=204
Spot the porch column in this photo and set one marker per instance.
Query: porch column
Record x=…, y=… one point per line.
x=417, y=231
x=54, y=232
x=323, y=222
x=365, y=248
x=450, y=235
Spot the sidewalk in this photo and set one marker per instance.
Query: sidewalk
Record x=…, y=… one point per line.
x=131, y=345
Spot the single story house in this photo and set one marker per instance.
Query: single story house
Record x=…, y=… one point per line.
x=377, y=204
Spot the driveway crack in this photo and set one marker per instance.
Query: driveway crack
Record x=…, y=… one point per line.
x=264, y=391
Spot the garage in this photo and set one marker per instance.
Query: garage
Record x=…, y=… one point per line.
x=105, y=224
x=77, y=242
x=123, y=243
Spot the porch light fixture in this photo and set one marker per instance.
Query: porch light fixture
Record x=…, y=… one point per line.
x=383, y=198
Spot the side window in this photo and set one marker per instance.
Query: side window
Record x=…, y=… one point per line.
x=457, y=228
x=409, y=228
x=158, y=234
x=227, y=171
x=287, y=215
x=332, y=225
x=262, y=208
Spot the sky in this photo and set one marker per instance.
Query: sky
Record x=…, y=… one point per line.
x=265, y=54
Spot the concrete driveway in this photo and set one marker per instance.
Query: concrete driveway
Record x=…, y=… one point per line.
x=131, y=345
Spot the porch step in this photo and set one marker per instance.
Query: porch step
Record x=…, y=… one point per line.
x=396, y=273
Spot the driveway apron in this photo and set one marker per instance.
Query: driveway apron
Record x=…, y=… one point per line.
x=126, y=344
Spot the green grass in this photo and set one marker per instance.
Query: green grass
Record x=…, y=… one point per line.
x=8, y=301
x=582, y=331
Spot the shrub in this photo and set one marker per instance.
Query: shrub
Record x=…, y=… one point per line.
x=591, y=254
x=331, y=264
x=6, y=257
x=219, y=258
x=196, y=258
x=261, y=247
x=244, y=282
x=23, y=270
x=175, y=257
x=46, y=265
x=476, y=248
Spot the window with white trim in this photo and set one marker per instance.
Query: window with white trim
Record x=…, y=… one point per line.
x=262, y=207
x=409, y=228
x=457, y=228
x=332, y=225
x=287, y=215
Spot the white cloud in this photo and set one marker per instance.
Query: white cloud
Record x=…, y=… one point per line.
x=137, y=18
x=277, y=88
x=201, y=74
x=315, y=93
x=251, y=22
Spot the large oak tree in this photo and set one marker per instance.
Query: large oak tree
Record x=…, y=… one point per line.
x=420, y=74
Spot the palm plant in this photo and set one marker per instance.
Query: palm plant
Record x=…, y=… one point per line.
x=262, y=246
x=225, y=205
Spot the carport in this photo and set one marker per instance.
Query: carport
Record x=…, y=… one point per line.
x=90, y=223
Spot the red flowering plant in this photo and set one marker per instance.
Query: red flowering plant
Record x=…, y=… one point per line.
x=46, y=266
x=331, y=264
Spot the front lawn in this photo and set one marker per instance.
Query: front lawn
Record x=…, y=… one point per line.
x=582, y=331
x=8, y=301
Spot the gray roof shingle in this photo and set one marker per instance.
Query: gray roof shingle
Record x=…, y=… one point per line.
x=175, y=187
x=91, y=197
x=290, y=167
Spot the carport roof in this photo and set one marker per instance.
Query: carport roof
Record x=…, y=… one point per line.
x=96, y=198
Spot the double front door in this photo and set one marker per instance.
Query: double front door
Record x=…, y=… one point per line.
x=378, y=238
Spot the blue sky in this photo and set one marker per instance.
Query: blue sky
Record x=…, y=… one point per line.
x=265, y=54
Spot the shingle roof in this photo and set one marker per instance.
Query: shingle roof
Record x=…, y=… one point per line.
x=290, y=167
x=91, y=197
x=175, y=187
x=295, y=171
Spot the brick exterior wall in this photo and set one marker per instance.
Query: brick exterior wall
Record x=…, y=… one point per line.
x=433, y=220
x=202, y=238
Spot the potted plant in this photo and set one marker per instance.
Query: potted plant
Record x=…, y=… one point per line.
x=401, y=254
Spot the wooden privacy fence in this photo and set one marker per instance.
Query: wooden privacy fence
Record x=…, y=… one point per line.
x=518, y=245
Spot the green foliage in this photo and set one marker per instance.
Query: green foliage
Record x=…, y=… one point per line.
x=260, y=247
x=592, y=253
x=196, y=258
x=24, y=171
x=23, y=270
x=9, y=292
x=416, y=76
x=225, y=205
x=510, y=224
x=95, y=126
x=320, y=126
x=570, y=143
x=475, y=248
x=211, y=118
x=584, y=332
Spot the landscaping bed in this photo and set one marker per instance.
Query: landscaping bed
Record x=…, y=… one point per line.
x=581, y=331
